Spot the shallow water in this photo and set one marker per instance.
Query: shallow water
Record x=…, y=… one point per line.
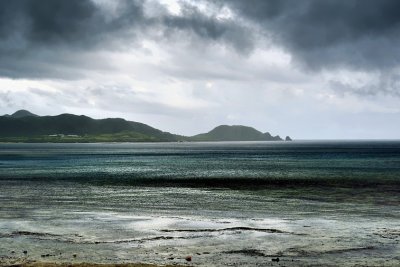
x=240, y=204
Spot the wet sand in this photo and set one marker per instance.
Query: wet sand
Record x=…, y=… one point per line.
x=50, y=264
x=298, y=204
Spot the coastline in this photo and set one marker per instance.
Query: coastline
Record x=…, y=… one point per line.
x=83, y=264
x=237, y=204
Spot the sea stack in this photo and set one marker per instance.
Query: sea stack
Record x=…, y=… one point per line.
x=288, y=138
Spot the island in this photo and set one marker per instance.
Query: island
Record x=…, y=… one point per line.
x=26, y=127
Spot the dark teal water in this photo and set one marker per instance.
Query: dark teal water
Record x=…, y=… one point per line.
x=318, y=162
x=307, y=202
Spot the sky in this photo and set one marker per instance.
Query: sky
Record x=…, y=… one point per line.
x=310, y=69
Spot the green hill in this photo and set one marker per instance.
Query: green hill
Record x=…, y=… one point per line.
x=21, y=113
x=78, y=128
x=235, y=133
x=24, y=126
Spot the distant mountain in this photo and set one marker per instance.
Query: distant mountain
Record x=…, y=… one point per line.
x=21, y=113
x=74, y=125
x=235, y=133
x=24, y=126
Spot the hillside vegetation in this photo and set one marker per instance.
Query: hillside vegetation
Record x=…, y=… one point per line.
x=24, y=126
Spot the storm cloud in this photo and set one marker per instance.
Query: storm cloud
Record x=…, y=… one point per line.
x=80, y=23
x=46, y=39
x=318, y=34
x=185, y=66
x=330, y=33
x=51, y=38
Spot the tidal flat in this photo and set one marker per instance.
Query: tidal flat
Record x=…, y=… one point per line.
x=221, y=204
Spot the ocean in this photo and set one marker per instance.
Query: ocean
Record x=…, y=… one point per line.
x=222, y=203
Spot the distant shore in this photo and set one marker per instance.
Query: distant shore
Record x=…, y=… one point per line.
x=84, y=264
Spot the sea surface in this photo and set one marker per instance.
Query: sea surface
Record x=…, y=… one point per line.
x=304, y=203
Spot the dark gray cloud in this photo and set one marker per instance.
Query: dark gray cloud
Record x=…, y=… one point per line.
x=210, y=28
x=70, y=23
x=51, y=38
x=38, y=39
x=361, y=34
x=48, y=39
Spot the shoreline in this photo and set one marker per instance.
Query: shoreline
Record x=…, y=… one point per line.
x=83, y=264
